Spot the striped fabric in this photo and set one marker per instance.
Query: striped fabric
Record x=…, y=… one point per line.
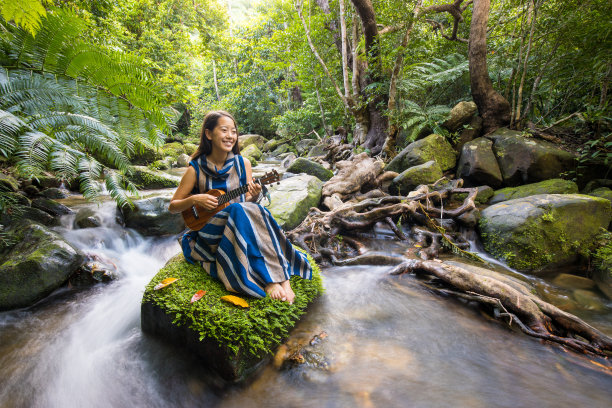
x=242, y=245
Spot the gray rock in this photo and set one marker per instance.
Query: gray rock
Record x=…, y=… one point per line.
x=469, y=133
x=40, y=263
x=433, y=147
x=252, y=153
x=553, y=186
x=460, y=115
x=318, y=150
x=305, y=145
x=52, y=207
x=183, y=160
x=271, y=145
x=565, y=280
x=588, y=299
x=31, y=190
x=8, y=183
x=148, y=179
x=287, y=160
x=87, y=218
x=477, y=164
x=408, y=180
x=54, y=193
x=603, y=192
x=293, y=198
x=250, y=139
x=302, y=165
x=280, y=149
x=525, y=160
x=150, y=216
x=540, y=232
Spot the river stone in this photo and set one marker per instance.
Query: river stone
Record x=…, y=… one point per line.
x=147, y=179
x=408, y=180
x=525, y=160
x=87, y=218
x=281, y=149
x=52, y=207
x=47, y=182
x=302, y=165
x=271, y=145
x=38, y=264
x=603, y=192
x=469, y=133
x=483, y=195
x=477, y=164
x=145, y=155
x=231, y=340
x=40, y=216
x=595, y=184
x=433, y=147
x=318, y=150
x=293, y=198
x=190, y=148
x=588, y=299
x=540, y=232
x=565, y=280
x=150, y=216
x=251, y=139
x=552, y=186
x=304, y=145
x=252, y=153
x=460, y=115
x=287, y=160
x=183, y=160
x=174, y=149
x=8, y=183
x=55, y=193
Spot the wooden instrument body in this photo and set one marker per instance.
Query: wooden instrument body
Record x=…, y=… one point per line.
x=197, y=216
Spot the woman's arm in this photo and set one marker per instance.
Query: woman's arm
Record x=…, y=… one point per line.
x=182, y=198
x=254, y=189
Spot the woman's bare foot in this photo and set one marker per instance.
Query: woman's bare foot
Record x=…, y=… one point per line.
x=276, y=291
x=288, y=291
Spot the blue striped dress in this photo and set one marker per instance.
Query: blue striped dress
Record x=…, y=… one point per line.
x=242, y=245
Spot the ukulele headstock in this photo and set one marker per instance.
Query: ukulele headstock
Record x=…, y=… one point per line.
x=270, y=177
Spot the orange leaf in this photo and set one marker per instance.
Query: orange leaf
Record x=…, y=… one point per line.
x=235, y=300
x=198, y=295
x=165, y=283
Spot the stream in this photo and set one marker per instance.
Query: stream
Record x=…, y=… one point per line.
x=390, y=343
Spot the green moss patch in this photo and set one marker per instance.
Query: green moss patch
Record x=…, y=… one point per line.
x=250, y=332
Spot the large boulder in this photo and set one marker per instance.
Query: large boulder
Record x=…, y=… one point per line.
x=293, y=197
x=252, y=153
x=183, y=160
x=51, y=207
x=304, y=145
x=409, y=179
x=318, y=150
x=231, y=340
x=145, y=155
x=469, y=133
x=603, y=192
x=174, y=149
x=433, y=147
x=8, y=183
x=251, y=139
x=553, y=186
x=302, y=165
x=477, y=164
x=147, y=179
x=281, y=149
x=526, y=160
x=38, y=264
x=539, y=232
x=460, y=115
x=271, y=145
x=150, y=216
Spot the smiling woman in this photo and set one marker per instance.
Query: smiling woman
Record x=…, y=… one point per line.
x=241, y=245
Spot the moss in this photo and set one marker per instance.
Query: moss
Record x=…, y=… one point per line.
x=148, y=179
x=256, y=330
x=174, y=149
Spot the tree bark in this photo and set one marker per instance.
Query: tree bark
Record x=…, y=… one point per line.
x=493, y=108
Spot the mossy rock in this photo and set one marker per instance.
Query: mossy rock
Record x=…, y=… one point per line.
x=145, y=155
x=147, y=179
x=433, y=147
x=250, y=139
x=231, y=340
x=292, y=199
x=252, y=153
x=8, y=183
x=174, y=149
x=552, y=186
x=190, y=148
x=409, y=179
x=603, y=192
x=302, y=165
x=483, y=195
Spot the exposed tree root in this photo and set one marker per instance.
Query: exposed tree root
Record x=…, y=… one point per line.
x=534, y=316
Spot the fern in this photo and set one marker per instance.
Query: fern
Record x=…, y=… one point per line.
x=25, y=13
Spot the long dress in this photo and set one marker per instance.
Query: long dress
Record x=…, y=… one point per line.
x=242, y=245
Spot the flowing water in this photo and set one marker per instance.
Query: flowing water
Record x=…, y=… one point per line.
x=390, y=343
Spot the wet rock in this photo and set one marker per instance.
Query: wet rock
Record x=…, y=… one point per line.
x=281, y=149
x=588, y=299
x=595, y=184
x=150, y=216
x=145, y=155
x=469, y=219
x=408, y=180
x=293, y=198
x=603, y=192
x=543, y=231
x=553, y=186
x=183, y=160
x=460, y=115
x=565, y=280
x=525, y=160
x=302, y=165
x=433, y=147
x=31, y=190
x=478, y=165
x=8, y=183
x=91, y=273
x=147, y=179
x=318, y=150
x=288, y=160
x=87, y=218
x=232, y=341
x=252, y=153
x=38, y=264
x=40, y=217
x=52, y=207
x=304, y=146
x=47, y=182
x=54, y=193
x=251, y=139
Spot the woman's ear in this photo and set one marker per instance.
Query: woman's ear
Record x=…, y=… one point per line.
x=207, y=134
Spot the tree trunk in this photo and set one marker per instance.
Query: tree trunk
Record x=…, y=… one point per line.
x=493, y=108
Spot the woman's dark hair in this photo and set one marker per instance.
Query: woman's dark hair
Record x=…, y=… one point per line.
x=210, y=122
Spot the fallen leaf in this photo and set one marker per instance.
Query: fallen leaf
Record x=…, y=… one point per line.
x=235, y=300
x=198, y=295
x=165, y=283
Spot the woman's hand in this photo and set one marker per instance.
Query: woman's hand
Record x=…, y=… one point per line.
x=254, y=190
x=209, y=202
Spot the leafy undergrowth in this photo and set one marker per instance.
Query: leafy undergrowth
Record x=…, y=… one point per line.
x=255, y=330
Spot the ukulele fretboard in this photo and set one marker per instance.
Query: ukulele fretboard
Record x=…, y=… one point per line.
x=233, y=194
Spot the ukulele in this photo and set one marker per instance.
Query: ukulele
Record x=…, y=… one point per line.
x=197, y=216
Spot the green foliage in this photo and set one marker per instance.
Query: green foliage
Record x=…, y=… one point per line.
x=27, y=14
x=256, y=330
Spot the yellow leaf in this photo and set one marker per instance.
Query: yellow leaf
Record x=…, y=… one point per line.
x=198, y=295
x=165, y=283
x=235, y=300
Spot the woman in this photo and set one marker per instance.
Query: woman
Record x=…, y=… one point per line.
x=241, y=245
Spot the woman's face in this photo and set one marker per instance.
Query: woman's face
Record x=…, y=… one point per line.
x=224, y=135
